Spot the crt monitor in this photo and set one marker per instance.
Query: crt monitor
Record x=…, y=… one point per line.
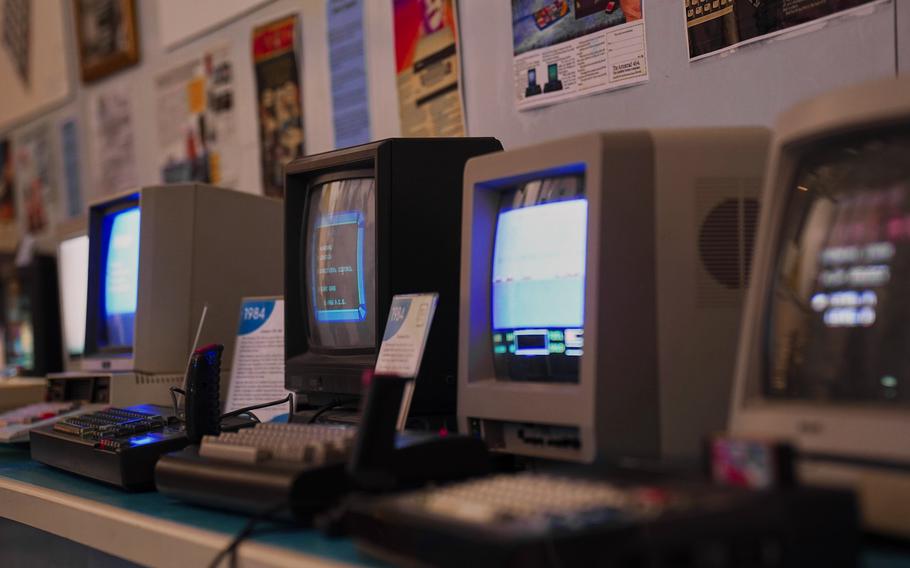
x=157, y=256
x=823, y=359
x=30, y=316
x=361, y=225
x=602, y=278
x=72, y=274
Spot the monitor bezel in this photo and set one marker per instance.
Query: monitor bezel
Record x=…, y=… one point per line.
x=311, y=185
x=82, y=232
x=850, y=431
x=97, y=259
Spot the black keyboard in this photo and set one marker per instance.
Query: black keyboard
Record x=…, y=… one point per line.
x=119, y=446
x=549, y=520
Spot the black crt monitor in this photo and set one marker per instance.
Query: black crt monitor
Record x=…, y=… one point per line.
x=363, y=224
x=30, y=316
x=823, y=359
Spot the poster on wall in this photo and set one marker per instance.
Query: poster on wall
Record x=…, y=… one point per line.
x=8, y=228
x=278, y=100
x=113, y=164
x=72, y=181
x=34, y=174
x=196, y=124
x=347, y=63
x=35, y=76
x=107, y=35
x=428, y=68
x=717, y=26
x=566, y=49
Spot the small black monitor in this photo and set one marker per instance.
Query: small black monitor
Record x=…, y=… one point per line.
x=30, y=316
x=363, y=224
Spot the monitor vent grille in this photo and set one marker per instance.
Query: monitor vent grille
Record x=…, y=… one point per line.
x=726, y=218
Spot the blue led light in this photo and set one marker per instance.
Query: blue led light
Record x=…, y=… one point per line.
x=143, y=440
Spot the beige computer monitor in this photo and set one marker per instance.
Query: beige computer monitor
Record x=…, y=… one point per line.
x=608, y=330
x=816, y=365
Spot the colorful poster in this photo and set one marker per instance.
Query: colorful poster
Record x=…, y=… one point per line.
x=35, y=184
x=69, y=142
x=8, y=229
x=347, y=62
x=428, y=68
x=278, y=94
x=566, y=49
x=196, y=132
x=718, y=25
x=113, y=164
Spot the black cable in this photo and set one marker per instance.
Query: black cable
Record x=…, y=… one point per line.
x=245, y=533
x=325, y=408
x=288, y=399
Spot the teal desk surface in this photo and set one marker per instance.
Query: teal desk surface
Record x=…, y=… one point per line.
x=27, y=487
x=149, y=528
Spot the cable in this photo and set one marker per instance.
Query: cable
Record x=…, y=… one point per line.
x=288, y=399
x=323, y=409
x=245, y=533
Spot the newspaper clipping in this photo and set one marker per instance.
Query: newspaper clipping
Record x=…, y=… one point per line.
x=113, y=164
x=568, y=49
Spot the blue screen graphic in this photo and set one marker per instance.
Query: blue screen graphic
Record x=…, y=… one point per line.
x=539, y=266
x=339, y=293
x=121, y=276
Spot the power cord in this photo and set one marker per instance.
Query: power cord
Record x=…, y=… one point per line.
x=247, y=531
x=245, y=410
x=331, y=406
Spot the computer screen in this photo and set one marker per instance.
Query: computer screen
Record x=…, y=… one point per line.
x=538, y=280
x=120, y=247
x=19, y=331
x=339, y=259
x=837, y=326
x=72, y=262
x=532, y=76
x=552, y=72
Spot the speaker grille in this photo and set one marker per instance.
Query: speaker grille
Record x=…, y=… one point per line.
x=726, y=217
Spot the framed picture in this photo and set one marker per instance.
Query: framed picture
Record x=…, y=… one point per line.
x=107, y=36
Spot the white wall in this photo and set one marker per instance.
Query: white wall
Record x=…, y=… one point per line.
x=749, y=86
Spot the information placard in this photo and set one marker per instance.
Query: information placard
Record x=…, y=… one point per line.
x=257, y=372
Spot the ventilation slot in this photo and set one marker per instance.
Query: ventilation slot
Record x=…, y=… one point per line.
x=727, y=217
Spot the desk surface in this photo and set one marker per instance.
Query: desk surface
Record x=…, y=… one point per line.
x=148, y=528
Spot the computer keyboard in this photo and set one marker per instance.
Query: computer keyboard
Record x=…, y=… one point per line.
x=537, y=520
x=305, y=444
x=700, y=11
x=16, y=424
x=298, y=466
x=115, y=445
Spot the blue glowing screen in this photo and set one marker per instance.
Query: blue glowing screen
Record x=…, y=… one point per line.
x=539, y=266
x=121, y=275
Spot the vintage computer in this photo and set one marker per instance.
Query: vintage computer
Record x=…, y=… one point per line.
x=823, y=356
x=157, y=256
x=601, y=283
x=361, y=225
x=72, y=276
